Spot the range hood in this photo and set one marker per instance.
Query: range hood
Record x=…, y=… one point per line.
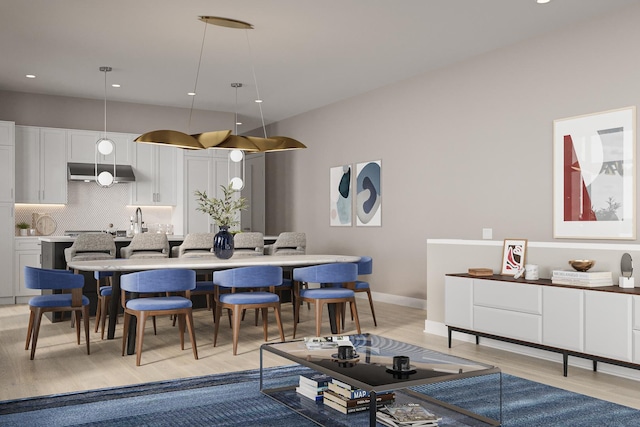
x=86, y=172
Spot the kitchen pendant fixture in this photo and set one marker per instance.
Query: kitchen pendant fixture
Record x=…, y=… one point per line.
x=105, y=146
x=223, y=139
x=235, y=159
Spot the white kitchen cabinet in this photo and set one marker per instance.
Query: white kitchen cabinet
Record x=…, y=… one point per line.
x=27, y=253
x=7, y=161
x=608, y=325
x=7, y=233
x=207, y=170
x=81, y=147
x=203, y=171
x=41, y=165
x=458, y=302
x=156, y=171
x=563, y=318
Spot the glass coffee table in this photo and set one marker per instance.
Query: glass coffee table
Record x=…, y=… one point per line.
x=372, y=369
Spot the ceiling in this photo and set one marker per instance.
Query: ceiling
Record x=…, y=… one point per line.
x=304, y=54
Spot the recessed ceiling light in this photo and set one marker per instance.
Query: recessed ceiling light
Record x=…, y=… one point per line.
x=115, y=85
x=30, y=76
x=239, y=123
x=258, y=101
x=543, y=1
x=191, y=94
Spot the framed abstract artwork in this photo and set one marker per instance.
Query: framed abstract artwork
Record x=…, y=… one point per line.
x=594, y=171
x=368, y=194
x=513, y=256
x=340, y=193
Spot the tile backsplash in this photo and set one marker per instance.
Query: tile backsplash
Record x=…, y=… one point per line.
x=90, y=207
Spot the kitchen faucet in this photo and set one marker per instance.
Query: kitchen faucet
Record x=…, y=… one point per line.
x=139, y=219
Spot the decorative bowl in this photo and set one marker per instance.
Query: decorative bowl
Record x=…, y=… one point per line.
x=582, y=264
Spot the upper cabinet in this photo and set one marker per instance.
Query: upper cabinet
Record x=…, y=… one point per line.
x=156, y=173
x=7, y=132
x=81, y=147
x=41, y=165
x=207, y=170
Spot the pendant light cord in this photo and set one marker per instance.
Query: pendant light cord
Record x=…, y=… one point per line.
x=255, y=81
x=106, y=69
x=195, y=85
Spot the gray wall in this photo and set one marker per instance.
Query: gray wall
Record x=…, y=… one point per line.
x=462, y=148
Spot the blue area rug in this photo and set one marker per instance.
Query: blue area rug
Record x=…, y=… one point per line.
x=234, y=399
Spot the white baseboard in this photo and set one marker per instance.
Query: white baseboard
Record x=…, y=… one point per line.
x=7, y=300
x=395, y=299
x=440, y=329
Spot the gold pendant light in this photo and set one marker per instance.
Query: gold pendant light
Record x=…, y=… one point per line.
x=221, y=139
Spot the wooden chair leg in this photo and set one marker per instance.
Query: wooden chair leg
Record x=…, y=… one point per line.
x=192, y=335
x=29, y=329
x=103, y=318
x=125, y=332
x=85, y=314
x=142, y=320
x=36, y=331
x=279, y=321
x=354, y=312
x=237, y=314
x=216, y=322
x=98, y=313
x=265, y=321
x=373, y=312
x=181, y=324
x=296, y=316
x=319, y=305
x=77, y=314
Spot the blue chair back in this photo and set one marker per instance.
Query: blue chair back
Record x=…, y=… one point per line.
x=339, y=272
x=365, y=265
x=249, y=277
x=42, y=278
x=168, y=280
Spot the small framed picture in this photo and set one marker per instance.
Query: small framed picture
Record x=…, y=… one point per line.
x=513, y=256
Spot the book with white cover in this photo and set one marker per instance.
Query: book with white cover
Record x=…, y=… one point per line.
x=582, y=274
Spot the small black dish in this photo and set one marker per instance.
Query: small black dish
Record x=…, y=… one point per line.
x=411, y=370
x=355, y=356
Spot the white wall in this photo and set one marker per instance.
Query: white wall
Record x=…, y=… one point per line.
x=462, y=148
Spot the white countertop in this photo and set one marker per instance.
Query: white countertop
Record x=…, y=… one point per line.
x=63, y=239
x=121, y=264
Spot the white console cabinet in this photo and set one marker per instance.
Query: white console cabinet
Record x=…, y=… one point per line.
x=601, y=324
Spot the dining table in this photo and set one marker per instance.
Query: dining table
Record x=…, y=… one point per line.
x=205, y=264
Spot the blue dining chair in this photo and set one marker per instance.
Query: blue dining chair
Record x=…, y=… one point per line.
x=345, y=273
x=165, y=284
x=74, y=302
x=247, y=284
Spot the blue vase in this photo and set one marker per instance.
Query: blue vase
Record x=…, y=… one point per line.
x=223, y=243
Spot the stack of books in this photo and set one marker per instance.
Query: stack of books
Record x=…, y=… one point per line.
x=313, y=385
x=347, y=399
x=410, y=414
x=588, y=279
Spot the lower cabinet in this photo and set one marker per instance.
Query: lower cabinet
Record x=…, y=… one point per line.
x=27, y=253
x=563, y=318
x=608, y=325
x=602, y=325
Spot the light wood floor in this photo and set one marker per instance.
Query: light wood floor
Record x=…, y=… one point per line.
x=61, y=366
